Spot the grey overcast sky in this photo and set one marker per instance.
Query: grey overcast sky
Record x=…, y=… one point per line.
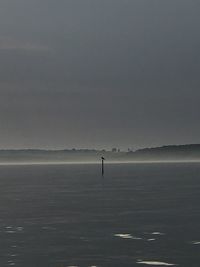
x=99, y=73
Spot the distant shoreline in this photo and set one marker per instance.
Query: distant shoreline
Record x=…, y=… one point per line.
x=172, y=153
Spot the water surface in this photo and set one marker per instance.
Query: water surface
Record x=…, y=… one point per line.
x=68, y=215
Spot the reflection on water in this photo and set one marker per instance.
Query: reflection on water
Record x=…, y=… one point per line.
x=155, y=263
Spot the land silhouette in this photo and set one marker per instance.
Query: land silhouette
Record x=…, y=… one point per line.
x=190, y=152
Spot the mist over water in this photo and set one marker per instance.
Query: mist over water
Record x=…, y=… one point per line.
x=68, y=215
x=171, y=153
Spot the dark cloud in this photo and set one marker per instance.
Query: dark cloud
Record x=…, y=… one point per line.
x=99, y=73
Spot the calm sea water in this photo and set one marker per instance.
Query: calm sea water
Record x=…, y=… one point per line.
x=68, y=215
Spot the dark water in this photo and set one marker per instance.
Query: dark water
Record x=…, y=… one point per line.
x=67, y=215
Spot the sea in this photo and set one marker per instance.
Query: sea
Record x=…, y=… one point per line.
x=68, y=215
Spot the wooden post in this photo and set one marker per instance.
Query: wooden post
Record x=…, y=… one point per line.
x=102, y=165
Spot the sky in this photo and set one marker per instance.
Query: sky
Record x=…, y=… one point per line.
x=99, y=73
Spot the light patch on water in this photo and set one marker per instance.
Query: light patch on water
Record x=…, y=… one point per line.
x=19, y=228
x=10, y=232
x=12, y=255
x=195, y=242
x=12, y=229
x=156, y=263
x=157, y=233
x=127, y=236
x=151, y=239
x=11, y=263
